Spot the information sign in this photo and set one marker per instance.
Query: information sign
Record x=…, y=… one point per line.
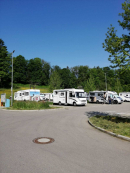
x=3, y=97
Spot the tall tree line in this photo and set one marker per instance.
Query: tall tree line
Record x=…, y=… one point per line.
x=38, y=71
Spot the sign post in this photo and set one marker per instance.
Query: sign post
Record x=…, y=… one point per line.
x=3, y=98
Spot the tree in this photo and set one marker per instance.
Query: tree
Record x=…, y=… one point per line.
x=75, y=71
x=119, y=47
x=118, y=87
x=34, y=69
x=5, y=65
x=55, y=68
x=20, y=69
x=89, y=85
x=45, y=72
x=83, y=75
x=110, y=78
x=65, y=75
x=55, y=81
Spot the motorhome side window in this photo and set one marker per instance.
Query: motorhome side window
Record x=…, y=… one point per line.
x=71, y=94
x=56, y=92
x=92, y=94
x=100, y=94
x=15, y=95
x=26, y=93
x=62, y=94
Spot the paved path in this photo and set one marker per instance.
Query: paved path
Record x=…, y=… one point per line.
x=78, y=147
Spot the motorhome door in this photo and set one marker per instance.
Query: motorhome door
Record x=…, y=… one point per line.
x=66, y=97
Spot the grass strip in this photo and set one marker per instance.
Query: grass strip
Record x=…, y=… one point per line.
x=117, y=125
x=30, y=105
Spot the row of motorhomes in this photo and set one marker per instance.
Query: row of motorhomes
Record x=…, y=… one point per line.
x=32, y=95
x=62, y=96
x=125, y=96
x=104, y=96
x=72, y=96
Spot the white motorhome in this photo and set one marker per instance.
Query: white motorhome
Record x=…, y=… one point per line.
x=29, y=94
x=69, y=97
x=48, y=96
x=42, y=96
x=125, y=96
x=114, y=96
x=98, y=97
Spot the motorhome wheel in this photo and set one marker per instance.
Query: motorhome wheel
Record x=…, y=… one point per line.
x=115, y=101
x=60, y=103
x=97, y=101
x=74, y=104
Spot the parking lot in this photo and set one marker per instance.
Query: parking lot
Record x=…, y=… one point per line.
x=77, y=146
x=121, y=109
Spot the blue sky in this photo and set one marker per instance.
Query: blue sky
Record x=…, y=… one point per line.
x=62, y=32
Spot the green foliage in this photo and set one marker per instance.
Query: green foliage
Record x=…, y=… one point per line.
x=99, y=77
x=34, y=70
x=90, y=84
x=37, y=72
x=27, y=105
x=20, y=69
x=5, y=65
x=119, y=47
x=45, y=72
x=55, y=81
x=83, y=75
x=116, y=125
x=65, y=75
x=118, y=87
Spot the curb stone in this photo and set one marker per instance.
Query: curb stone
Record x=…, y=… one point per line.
x=110, y=133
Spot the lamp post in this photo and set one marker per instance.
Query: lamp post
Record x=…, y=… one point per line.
x=12, y=81
x=106, y=81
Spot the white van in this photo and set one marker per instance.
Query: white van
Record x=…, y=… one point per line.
x=125, y=96
x=30, y=94
x=114, y=96
x=48, y=96
x=70, y=96
x=97, y=97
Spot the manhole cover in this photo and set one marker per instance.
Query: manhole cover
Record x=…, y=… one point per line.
x=43, y=140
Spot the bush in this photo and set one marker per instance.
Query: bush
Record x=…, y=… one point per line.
x=27, y=105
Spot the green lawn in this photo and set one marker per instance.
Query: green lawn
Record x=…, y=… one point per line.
x=117, y=125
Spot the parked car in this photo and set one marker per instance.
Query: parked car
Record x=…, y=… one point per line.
x=42, y=96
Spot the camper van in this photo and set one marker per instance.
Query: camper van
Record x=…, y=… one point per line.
x=125, y=96
x=98, y=97
x=115, y=97
x=48, y=96
x=30, y=94
x=69, y=97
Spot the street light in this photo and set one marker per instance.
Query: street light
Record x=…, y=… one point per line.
x=12, y=81
x=106, y=81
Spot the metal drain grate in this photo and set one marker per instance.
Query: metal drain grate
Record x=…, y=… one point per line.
x=43, y=140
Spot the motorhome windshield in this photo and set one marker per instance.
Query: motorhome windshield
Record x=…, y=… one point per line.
x=80, y=95
x=115, y=95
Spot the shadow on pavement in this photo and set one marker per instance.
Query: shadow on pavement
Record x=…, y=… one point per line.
x=94, y=113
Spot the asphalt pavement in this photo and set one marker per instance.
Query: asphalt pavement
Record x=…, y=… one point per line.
x=77, y=146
